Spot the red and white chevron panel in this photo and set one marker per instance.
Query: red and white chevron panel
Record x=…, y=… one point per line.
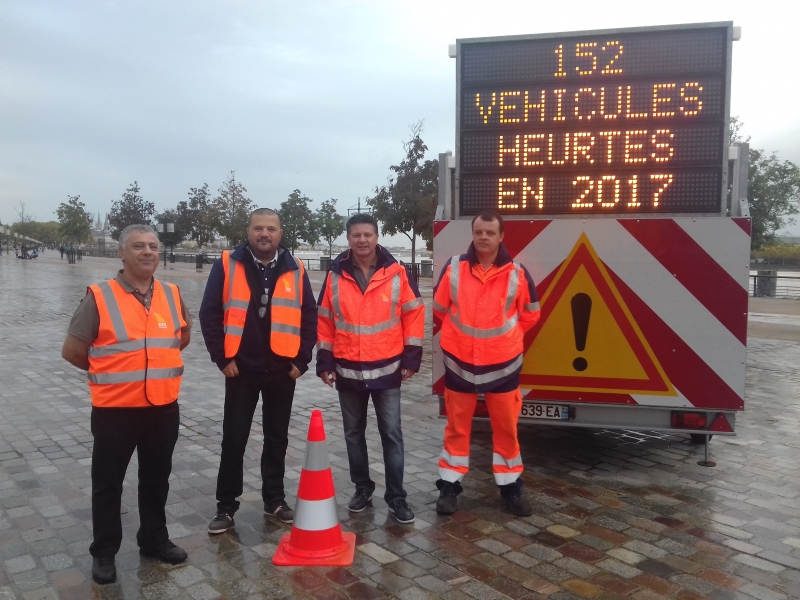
x=684, y=281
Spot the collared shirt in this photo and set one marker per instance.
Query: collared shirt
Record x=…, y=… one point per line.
x=363, y=279
x=267, y=269
x=85, y=323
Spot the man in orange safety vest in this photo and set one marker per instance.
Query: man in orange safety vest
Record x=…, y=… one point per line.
x=128, y=333
x=485, y=302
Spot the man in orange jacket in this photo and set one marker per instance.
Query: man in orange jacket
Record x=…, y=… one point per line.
x=371, y=323
x=128, y=333
x=485, y=302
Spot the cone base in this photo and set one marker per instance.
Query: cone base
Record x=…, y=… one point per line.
x=286, y=556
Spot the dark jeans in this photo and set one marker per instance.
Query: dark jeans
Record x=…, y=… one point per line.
x=354, y=418
x=117, y=432
x=241, y=397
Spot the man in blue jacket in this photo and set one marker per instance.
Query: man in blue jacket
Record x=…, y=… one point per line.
x=259, y=322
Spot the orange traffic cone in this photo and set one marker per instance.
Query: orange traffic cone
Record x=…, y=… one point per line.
x=316, y=537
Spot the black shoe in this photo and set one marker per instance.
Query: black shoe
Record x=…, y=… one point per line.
x=519, y=506
x=360, y=500
x=221, y=522
x=103, y=570
x=280, y=511
x=401, y=511
x=447, y=503
x=167, y=552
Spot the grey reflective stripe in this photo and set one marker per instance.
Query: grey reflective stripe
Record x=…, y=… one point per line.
x=412, y=341
x=454, y=461
x=455, y=263
x=173, y=310
x=322, y=311
x=483, y=333
x=315, y=515
x=233, y=330
x=117, y=323
x=513, y=282
x=395, y=294
x=368, y=329
x=438, y=307
x=411, y=305
x=132, y=346
x=450, y=475
x=533, y=306
x=233, y=303
x=231, y=273
x=510, y=463
x=324, y=346
x=483, y=377
x=505, y=478
x=286, y=302
x=337, y=309
x=133, y=376
x=316, y=458
x=368, y=373
x=284, y=328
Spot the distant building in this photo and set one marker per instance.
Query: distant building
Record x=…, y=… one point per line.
x=101, y=233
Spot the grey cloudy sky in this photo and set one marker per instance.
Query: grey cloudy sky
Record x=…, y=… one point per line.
x=311, y=95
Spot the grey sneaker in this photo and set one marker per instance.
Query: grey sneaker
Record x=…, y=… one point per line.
x=359, y=501
x=281, y=511
x=401, y=511
x=221, y=522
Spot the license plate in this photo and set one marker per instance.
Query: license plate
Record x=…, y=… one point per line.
x=545, y=411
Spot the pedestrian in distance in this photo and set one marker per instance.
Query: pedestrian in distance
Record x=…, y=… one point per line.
x=259, y=321
x=371, y=325
x=61, y=249
x=128, y=333
x=485, y=302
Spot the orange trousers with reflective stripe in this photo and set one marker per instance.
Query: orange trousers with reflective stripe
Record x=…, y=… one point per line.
x=504, y=409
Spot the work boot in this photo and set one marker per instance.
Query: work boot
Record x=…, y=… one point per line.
x=167, y=552
x=447, y=503
x=519, y=505
x=103, y=569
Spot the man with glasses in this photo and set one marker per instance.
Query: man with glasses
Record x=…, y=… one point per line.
x=259, y=322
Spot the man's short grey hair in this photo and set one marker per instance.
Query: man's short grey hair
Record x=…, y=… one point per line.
x=123, y=237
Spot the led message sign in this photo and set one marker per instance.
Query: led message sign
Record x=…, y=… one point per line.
x=627, y=121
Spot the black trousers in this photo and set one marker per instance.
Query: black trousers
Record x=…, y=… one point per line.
x=241, y=397
x=117, y=432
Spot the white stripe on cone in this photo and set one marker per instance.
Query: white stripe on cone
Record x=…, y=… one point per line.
x=316, y=458
x=315, y=515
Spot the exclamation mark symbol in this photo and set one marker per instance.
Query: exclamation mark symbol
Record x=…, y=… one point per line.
x=581, y=310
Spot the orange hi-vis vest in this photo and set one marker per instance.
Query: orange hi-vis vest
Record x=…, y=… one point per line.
x=136, y=359
x=484, y=321
x=287, y=298
x=369, y=330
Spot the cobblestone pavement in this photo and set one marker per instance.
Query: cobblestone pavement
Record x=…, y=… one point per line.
x=617, y=514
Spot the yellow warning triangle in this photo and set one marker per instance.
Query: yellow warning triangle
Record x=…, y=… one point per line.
x=587, y=340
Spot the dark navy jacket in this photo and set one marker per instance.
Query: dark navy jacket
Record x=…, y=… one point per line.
x=254, y=352
x=412, y=355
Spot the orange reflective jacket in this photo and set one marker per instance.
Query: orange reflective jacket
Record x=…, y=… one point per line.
x=368, y=333
x=136, y=359
x=285, y=316
x=484, y=322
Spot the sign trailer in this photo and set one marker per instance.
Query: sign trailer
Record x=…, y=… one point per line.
x=607, y=152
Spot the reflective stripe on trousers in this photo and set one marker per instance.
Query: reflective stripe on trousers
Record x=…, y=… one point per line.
x=504, y=411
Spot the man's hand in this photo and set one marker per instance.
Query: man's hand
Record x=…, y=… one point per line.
x=231, y=370
x=407, y=373
x=328, y=377
x=294, y=372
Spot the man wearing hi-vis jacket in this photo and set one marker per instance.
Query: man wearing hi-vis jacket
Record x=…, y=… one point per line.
x=485, y=302
x=371, y=323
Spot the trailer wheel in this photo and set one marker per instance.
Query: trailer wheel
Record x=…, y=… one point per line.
x=699, y=438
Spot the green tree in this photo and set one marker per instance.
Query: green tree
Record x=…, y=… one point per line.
x=48, y=232
x=131, y=209
x=75, y=221
x=330, y=223
x=773, y=194
x=297, y=221
x=407, y=204
x=171, y=238
x=232, y=210
x=197, y=216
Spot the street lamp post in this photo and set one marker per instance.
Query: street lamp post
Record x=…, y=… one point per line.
x=163, y=228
